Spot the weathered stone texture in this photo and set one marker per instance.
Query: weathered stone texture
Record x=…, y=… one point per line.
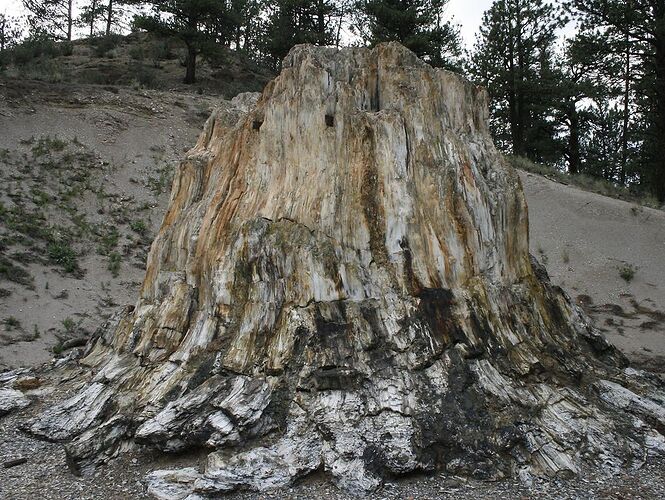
x=342, y=280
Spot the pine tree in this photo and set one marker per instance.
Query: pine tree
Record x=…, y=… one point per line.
x=635, y=30
x=10, y=31
x=292, y=22
x=54, y=18
x=583, y=84
x=187, y=20
x=512, y=57
x=416, y=24
x=91, y=13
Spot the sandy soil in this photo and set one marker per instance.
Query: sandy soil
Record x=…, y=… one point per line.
x=130, y=142
x=585, y=240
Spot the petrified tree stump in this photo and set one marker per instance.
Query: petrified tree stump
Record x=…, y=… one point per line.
x=342, y=282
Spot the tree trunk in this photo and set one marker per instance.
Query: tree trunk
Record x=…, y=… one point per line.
x=626, y=116
x=70, y=20
x=392, y=333
x=321, y=22
x=93, y=16
x=573, y=140
x=3, y=31
x=109, y=17
x=190, y=63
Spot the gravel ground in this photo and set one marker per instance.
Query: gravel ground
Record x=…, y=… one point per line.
x=45, y=474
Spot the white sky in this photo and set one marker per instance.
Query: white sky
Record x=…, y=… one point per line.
x=467, y=13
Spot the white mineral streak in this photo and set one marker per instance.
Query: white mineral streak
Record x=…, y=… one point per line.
x=12, y=399
x=342, y=283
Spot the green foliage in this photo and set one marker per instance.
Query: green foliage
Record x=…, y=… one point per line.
x=34, y=47
x=631, y=41
x=293, y=22
x=416, y=24
x=69, y=325
x=11, y=272
x=10, y=33
x=143, y=75
x=11, y=323
x=66, y=48
x=108, y=238
x=114, y=263
x=62, y=254
x=103, y=45
x=512, y=57
x=139, y=226
x=627, y=272
x=47, y=144
x=189, y=21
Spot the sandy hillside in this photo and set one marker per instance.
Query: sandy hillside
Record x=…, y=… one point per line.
x=85, y=175
x=609, y=255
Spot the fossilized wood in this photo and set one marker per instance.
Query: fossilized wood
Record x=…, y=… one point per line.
x=342, y=282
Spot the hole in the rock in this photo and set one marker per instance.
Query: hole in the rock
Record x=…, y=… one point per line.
x=256, y=124
x=330, y=120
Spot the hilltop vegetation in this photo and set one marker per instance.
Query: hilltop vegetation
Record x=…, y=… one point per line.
x=137, y=60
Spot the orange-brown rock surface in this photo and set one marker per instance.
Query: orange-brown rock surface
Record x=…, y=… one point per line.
x=342, y=282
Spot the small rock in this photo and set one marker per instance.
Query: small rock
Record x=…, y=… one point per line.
x=11, y=399
x=13, y=463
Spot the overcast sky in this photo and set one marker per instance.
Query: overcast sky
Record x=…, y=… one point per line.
x=467, y=13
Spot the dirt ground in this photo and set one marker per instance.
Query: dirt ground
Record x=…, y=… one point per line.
x=86, y=169
x=588, y=242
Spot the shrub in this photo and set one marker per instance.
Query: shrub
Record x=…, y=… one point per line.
x=114, y=263
x=105, y=44
x=142, y=75
x=564, y=256
x=63, y=255
x=627, y=272
x=11, y=323
x=66, y=48
x=136, y=52
x=12, y=272
x=34, y=47
x=69, y=324
x=138, y=226
x=47, y=144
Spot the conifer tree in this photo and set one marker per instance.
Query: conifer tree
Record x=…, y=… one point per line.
x=416, y=24
x=635, y=31
x=54, y=18
x=512, y=57
x=187, y=20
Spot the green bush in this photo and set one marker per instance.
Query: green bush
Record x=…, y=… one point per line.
x=114, y=263
x=627, y=272
x=105, y=44
x=62, y=254
x=11, y=323
x=136, y=52
x=66, y=48
x=69, y=324
x=34, y=47
x=143, y=75
x=138, y=226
